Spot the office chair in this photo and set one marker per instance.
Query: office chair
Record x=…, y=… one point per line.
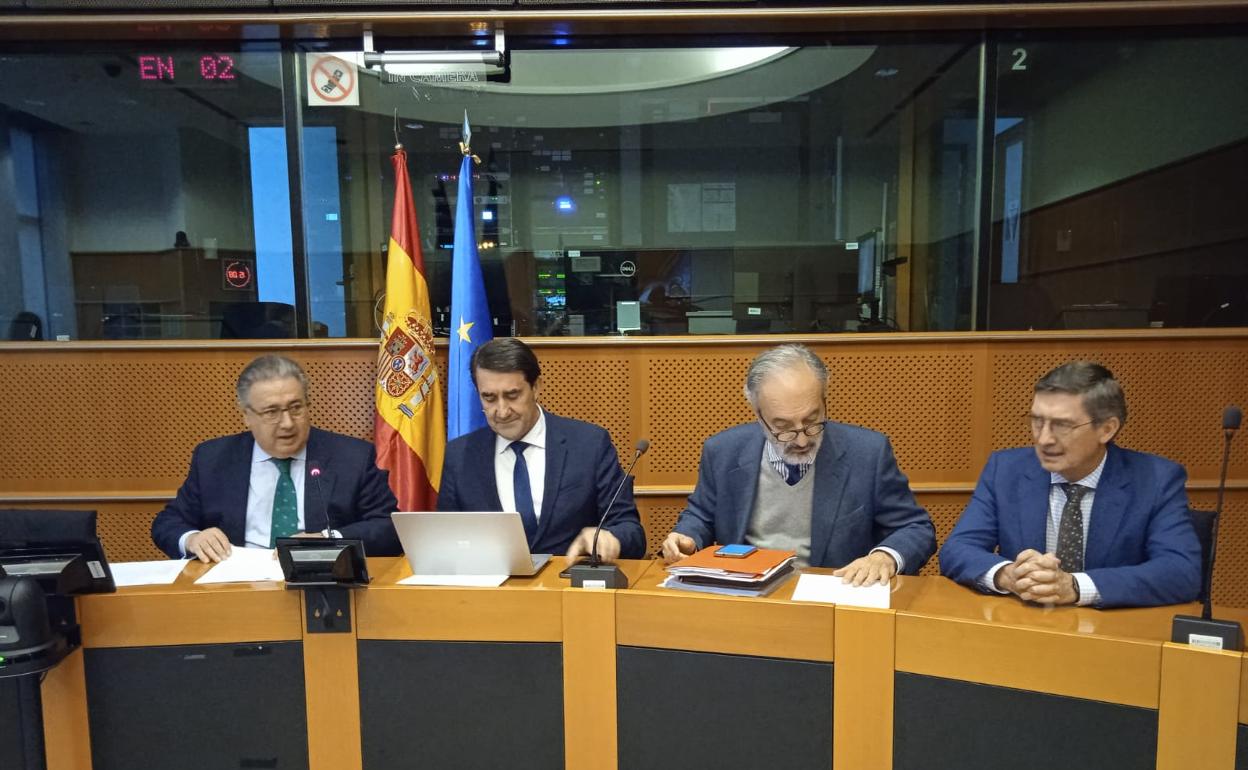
x=26, y=326
x=1203, y=522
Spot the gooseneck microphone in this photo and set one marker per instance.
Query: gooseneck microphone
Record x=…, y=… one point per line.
x=640, y=449
x=1205, y=630
x=1231, y=418
x=594, y=573
x=314, y=470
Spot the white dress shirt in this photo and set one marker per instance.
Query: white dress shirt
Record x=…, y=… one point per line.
x=534, y=458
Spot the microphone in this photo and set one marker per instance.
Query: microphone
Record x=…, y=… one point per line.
x=1231, y=418
x=595, y=572
x=1205, y=631
x=314, y=470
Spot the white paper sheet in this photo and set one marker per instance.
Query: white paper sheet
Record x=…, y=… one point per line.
x=245, y=565
x=830, y=589
x=472, y=581
x=146, y=573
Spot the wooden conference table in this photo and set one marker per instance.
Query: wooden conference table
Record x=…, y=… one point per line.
x=535, y=674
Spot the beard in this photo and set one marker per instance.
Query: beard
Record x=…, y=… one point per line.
x=792, y=457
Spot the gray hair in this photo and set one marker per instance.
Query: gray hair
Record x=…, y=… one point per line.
x=1102, y=395
x=268, y=367
x=782, y=358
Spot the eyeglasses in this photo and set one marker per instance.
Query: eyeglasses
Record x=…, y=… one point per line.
x=273, y=415
x=785, y=436
x=1060, y=429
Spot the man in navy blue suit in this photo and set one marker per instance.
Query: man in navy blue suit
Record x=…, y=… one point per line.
x=795, y=480
x=281, y=478
x=558, y=473
x=1077, y=519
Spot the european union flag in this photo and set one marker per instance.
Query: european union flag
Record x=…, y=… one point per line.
x=471, y=326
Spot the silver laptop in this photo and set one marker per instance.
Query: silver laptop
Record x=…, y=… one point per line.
x=466, y=543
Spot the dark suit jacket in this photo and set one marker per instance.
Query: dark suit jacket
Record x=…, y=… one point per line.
x=861, y=498
x=1141, y=548
x=352, y=490
x=582, y=472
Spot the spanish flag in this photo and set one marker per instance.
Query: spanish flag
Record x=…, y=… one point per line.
x=409, y=427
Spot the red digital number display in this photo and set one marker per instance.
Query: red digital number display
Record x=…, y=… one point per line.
x=156, y=68
x=237, y=274
x=197, y=69
x=216, y=67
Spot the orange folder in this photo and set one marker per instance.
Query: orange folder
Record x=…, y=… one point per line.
x=756, y=564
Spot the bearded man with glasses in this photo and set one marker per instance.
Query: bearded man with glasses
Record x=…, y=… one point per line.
x=1077, y=519
x=281, y=478
x=795, y=480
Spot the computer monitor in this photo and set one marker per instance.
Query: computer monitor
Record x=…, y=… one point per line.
x=868, y=263
x=57, y=548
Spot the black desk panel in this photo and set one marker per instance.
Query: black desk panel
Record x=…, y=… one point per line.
x=206, y=706
x=947, y=723
x=21, y=724
x=1241, y=748
x=463, y=705
x=710, y=710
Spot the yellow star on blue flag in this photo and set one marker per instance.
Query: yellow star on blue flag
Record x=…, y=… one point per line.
x=464, y=328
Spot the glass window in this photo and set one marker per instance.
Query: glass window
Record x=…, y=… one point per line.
x=129, y=205
x=764, y=188
x=1118, y=195
x=714, y=184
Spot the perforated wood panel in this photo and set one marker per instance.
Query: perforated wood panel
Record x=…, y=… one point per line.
x=924, y=403
x=944, y=510
x=690, y=397
x=658, y=518
x=125, y=530
x=108, y=424
x=594, y=389
x=342, y=395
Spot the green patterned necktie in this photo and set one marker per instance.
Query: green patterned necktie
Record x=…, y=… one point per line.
x=285, y=505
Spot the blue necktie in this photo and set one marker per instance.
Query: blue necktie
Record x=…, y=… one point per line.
x=794, y=473
x=524, y=493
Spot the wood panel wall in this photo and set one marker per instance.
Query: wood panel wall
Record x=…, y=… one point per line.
x=111, y=426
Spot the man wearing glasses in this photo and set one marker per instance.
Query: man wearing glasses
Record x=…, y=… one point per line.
x=795, y=480
x=283, y=478
x=1077, y=519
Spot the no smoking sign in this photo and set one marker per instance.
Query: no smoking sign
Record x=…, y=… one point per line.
x=331, y=82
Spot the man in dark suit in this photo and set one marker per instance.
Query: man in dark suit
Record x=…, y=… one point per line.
x=282, y=478
x=1077, y=519
x=797, y=481
x=558, y=473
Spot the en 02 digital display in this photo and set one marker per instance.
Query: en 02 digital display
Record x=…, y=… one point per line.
x=193, y=69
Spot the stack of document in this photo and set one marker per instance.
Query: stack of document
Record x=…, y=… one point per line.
x=758, y=574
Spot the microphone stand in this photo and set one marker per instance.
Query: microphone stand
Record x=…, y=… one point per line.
x=595, y=574
x=1204, y=630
